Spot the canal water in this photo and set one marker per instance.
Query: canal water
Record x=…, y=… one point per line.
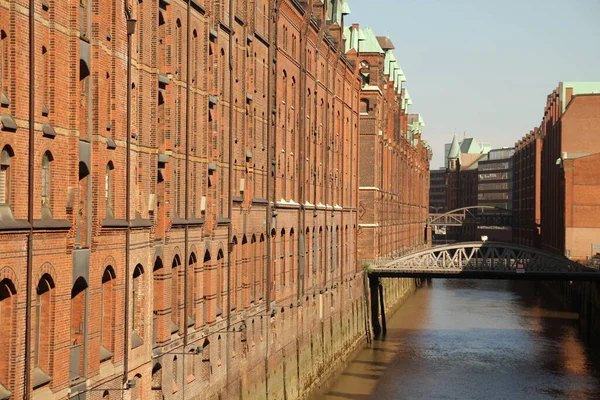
x=467, y=339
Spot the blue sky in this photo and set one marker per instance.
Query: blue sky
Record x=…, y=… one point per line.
x=482, y=66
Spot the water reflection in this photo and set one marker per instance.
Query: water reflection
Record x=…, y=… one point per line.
x=461, y=339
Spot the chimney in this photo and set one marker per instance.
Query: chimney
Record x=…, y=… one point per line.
x=568, y=95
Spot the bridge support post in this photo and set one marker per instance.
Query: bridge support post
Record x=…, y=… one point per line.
x=382, y=305
x=374, y=289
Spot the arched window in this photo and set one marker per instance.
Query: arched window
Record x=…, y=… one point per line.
x=157, y=382
x=136, y=391
x=44, y=330
x=45, y=77
x=364, y=106
x=207, y=306
x=244, y=281
x=158, y=289
x=196, y=62
x=261, y=265
x=273, y=251
x=254, y=274
x=282, y=256
x=8, y=312
x=220, y=280
x=138, y=300
x=78, y=329
x=5, y=175
x=179, y=44
x=46, y=180
x=4, y=63
x=175, y=374
x=292, y=256
x=108, y=189
x=206, y=370
x=175, y=289
x=221, y=71
x=234, y=269
x=107, y=314
x=192, y=289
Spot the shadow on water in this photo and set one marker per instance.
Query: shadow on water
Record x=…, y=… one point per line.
x=459, y=339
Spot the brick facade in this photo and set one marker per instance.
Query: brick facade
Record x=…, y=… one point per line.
x=556, y=187
x=192, y=221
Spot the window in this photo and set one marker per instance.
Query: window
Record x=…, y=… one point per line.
x=44, y=316
x=364, y=106
x=8, y=312
x=244, y=281
x=4, y=59
x=207, y=306
x=108, y=184
x=5, y=177
x=191, y=300
x=45, y=76
x=136, y=391
x=261, y=264
x=175, y=287
x=206, y=369
x=175, y=373
x=282, y=256
x=157, y=303
x=46, y=188
x=254, y=274
x=107, y=314
x=137, y=307
x=157, y=382
x=78, y=329
x=292, y=256
x=195, y=59
x=178, y=44
x=219, y=288
x=233, y=273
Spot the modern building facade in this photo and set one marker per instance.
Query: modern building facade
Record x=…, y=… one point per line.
x=179, y=196
x=437, y=191
x=495, y=189
x=566, y=149
x=495, y=180
x=527, y=189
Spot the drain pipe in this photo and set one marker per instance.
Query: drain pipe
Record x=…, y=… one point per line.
x=131, y=21
x=30, y=187
x=271, y=129
x=186, y=256
x=303, y=150
x=230, y=189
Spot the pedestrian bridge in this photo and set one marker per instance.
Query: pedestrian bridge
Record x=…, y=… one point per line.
x=473, y=215
x=483, y=260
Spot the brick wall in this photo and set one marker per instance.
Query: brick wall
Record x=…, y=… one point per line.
x=243, y=145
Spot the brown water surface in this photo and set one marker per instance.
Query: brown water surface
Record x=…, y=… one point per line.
x=459, y=339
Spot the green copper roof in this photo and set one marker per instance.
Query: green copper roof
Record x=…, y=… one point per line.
x=371, y=44
x=454, y=151
x=352, y=37
x=345, y=8
x=389, y=58
x=470, y=146
x=407, y=97
x=578, y=88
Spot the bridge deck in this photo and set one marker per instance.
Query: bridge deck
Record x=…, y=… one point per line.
x=484, y=260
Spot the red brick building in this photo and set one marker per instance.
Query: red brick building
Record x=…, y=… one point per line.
x=179, y=197
x=394, y=161
x=557, y=161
